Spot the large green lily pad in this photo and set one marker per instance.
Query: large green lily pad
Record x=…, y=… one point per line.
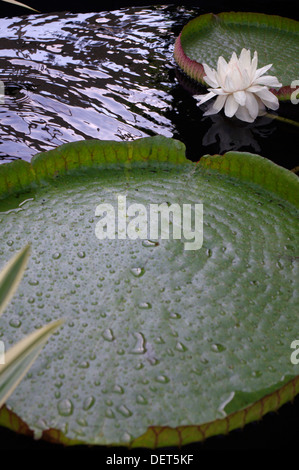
x=209, y=36
x=160, y=345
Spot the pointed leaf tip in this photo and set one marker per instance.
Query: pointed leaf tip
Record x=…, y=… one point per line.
x=11, y=275
x=20, y=358
x=20, y=4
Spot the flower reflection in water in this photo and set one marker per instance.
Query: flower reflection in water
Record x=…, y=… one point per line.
x=232, y=134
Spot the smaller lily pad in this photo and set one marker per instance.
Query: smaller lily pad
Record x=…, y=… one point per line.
x=205, y=38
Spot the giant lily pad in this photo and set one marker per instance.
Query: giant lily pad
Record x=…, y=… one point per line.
x=209, y=36
x=160, y=345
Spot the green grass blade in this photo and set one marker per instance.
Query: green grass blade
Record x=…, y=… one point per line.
x=20, y=357
x=11, y=275
x=14, y=2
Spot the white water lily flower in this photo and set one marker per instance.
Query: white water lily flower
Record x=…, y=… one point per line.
x=240, y=87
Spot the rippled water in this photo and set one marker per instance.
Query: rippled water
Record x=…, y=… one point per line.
x=111, y=75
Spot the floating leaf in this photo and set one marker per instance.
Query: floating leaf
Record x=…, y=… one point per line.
x=161, y=345
x=209, y=36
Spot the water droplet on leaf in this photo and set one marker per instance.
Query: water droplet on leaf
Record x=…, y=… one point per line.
x=65, y=407
x=108, y=335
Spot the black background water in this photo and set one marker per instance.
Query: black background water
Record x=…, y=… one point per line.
x=168, y=108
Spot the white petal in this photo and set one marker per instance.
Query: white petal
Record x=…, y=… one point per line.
x=240, y=97
x=210, y=82
x=253, y=66
x=255, y=88
x=229, y=85
x=262, y=107
x=220, y=77
x=210, y=111
x=237, y=79
x=270, y=100
x=216, y=106
x=252, y=105
x=219, y=103
x=221, y=65
x=245, y=59
x=243, y=114
x=210, y=75
x=245, y=80
x=268, y=80
x=203, y=98
x=234, y=59
x=231, y=106
x=273, y=104
x=218, y=91
x=221, y=71
x=261, y=71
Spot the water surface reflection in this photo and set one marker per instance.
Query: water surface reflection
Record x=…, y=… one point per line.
x=107, y=75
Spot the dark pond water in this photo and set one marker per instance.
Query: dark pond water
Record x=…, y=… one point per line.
x=111, y=75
